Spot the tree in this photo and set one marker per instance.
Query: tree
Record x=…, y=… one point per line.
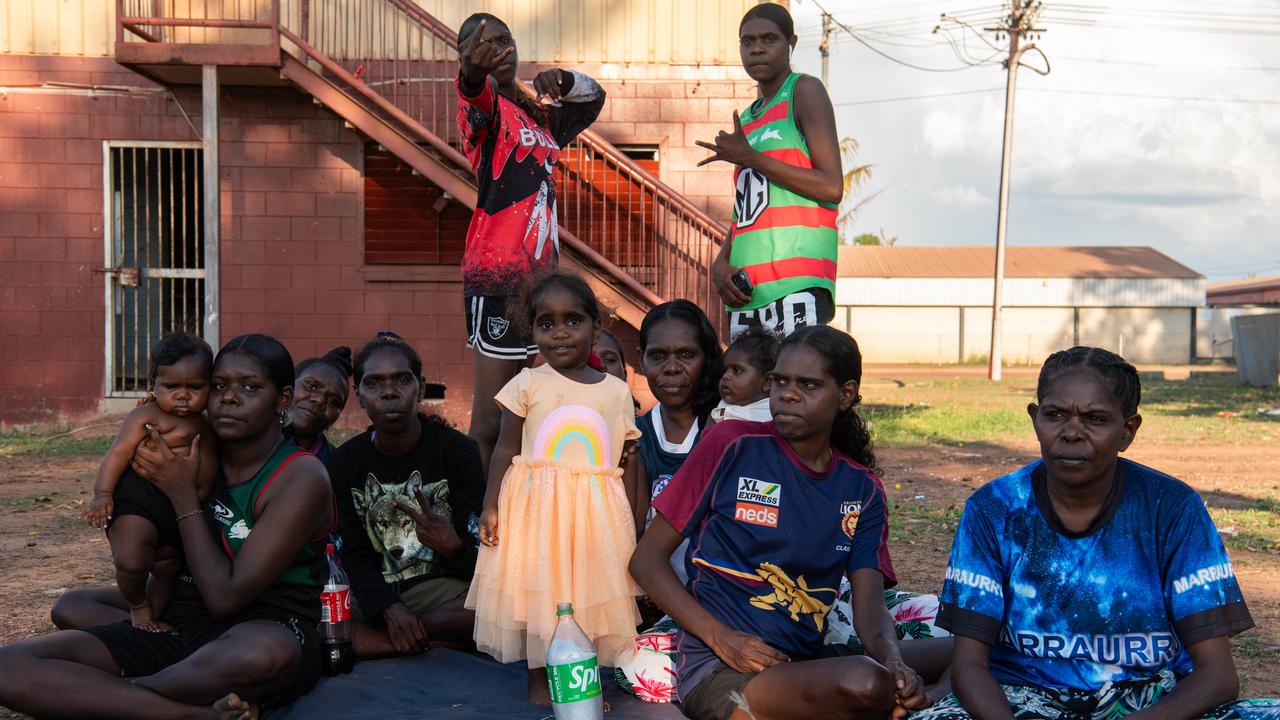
x=855, y=176
x=867, y=239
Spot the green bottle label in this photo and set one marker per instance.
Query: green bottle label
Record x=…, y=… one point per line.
x=572, y=682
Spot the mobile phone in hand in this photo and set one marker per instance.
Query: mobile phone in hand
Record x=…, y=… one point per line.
x=742, y=282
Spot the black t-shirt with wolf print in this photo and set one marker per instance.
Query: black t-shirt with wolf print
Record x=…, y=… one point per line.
x=380, y=548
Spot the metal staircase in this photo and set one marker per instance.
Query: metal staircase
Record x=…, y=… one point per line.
x=387, y=67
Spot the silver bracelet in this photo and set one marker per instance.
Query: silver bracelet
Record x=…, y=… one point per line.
x=186, y=515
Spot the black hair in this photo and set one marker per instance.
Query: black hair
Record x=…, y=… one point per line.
x=843, y=361
x=542, y=283
x=531, y=107
x=386, y=340
x=1126, y=387
x=760, y=346
x=775, y=14
x=268, y=351
x=173, y=347
x=338, y=358
x=606, y=333
x=707, y=395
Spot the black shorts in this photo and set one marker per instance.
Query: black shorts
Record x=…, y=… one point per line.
x=494, y=330
x=714, y=697
x=136, y=496
x=140, y=653
x=784, y=316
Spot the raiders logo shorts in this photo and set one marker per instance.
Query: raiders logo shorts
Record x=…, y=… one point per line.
x=493, y=331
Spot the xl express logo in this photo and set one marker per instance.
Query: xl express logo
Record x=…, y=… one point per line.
x=757, y=502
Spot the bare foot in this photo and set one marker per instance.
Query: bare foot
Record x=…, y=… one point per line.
x=539, y=690
x=232, y=707
x=143, y=619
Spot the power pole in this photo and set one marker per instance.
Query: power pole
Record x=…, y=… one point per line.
x=1020, y=24
x=825, y=46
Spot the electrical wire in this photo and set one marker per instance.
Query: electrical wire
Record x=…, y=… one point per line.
x=879, y=101
x=885, y=55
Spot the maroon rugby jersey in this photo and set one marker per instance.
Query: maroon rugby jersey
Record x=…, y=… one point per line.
x=513, y=230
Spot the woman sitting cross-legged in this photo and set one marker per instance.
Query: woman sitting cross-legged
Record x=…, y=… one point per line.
x=1088, y=586
x=245, y=611
x=776, y=513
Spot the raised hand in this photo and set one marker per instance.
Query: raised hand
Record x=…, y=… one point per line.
x=730, y=147
x=479, y=57
x=547, y=85
x=432, y=530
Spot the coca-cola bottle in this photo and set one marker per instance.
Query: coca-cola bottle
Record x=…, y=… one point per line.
x=335, y=619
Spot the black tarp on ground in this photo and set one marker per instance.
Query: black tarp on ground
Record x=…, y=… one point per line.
x=446, y=684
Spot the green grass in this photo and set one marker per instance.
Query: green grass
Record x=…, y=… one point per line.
x=1255, y=528
x=919, y=523
x=966, y=410
x=52, y=444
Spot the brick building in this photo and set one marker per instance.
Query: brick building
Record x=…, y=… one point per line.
x=341, y=207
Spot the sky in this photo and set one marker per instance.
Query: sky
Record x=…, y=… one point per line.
x=1194, y=173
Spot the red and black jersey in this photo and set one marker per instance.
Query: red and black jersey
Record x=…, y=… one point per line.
x=513, y=231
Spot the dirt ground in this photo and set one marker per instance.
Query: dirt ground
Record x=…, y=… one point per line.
x=45, y=549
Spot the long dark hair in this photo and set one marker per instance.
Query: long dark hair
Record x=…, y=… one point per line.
x=707, y=395
x=842, y=361
x=268, y=351
x=522, y=99
x=1126, y=387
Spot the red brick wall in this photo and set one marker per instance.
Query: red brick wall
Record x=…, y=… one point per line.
x=292, y=236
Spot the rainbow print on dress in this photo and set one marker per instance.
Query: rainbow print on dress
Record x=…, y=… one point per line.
x=574, y=435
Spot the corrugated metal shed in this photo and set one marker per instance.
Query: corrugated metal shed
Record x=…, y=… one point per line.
x=1020, y=262
x=1249, y=291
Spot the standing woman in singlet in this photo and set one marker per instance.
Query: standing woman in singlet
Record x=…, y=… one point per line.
x=777, y=267
x=513, y=143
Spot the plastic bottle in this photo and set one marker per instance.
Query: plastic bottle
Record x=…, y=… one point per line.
x=335, y=619
x=572, y=671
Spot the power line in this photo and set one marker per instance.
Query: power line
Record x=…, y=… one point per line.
x=1143, y=96
x=1169, y=66
x=885, y=55
x=905, y=98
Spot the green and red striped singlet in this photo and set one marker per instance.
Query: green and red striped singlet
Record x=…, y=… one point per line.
x=785, y=241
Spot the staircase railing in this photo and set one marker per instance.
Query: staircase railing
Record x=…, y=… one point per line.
x=398, y=51
x=399, y=62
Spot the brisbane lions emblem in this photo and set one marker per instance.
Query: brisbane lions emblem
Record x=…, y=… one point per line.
x=850, y=510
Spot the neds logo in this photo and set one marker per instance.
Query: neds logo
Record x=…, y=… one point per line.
x=756, y=514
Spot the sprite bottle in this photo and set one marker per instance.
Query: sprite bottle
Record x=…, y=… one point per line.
x=572, y=671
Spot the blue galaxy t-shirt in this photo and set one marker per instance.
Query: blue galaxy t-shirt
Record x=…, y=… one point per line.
x=1118, y=602
x=770, y=539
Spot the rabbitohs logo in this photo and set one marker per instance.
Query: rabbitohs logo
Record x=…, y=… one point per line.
x=498, y=327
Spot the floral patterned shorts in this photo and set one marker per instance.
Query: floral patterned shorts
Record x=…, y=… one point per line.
x=1112, y=702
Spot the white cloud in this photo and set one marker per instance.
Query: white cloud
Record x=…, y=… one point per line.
x=963, y=196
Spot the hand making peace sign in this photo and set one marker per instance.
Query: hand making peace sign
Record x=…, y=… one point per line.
x=432, y=530
x=729, y=147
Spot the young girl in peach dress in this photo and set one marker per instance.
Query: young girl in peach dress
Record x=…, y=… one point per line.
x=557, y=524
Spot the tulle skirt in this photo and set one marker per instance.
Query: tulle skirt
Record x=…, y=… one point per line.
x=564, y=535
